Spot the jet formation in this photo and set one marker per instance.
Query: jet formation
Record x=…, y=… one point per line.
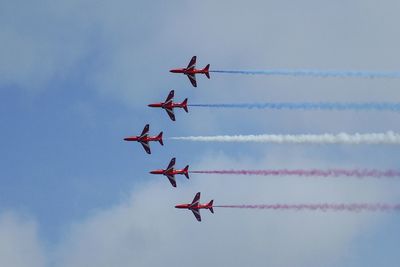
x=144, y=139
x=170, y=172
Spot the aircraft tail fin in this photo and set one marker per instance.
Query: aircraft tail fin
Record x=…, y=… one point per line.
x=206, y=69
x=159, y=136
x=210, y=206
x=186, y=171
x=184, y=105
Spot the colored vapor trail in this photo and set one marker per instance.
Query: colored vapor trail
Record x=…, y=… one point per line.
x=316, y=73
x=309, y=106
x=357, y=207
x=341, y=138
x=364, y=173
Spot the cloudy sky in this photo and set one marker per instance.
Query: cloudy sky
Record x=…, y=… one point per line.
x=76, y=76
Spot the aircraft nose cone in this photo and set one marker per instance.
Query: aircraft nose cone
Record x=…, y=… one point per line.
x=153, y=172
x=126, y=139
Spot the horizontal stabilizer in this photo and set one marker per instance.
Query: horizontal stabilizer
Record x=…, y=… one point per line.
x=206, y=69
x=184, y=105
x=186, y=171
x=159, y=136
x=210, y=206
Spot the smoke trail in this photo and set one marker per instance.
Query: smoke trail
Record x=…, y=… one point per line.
x=316, y=73
x=365, y=173
x=309, y=106
x=341, y=138
x=358, y=207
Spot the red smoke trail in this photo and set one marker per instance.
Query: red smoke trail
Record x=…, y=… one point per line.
x=320, y=207
x=312, y=172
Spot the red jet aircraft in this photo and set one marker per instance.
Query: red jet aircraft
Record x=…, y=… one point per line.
x=195, y=206
x=144, y=139
x=169, y=105
x=170, y=172
x=191, y=71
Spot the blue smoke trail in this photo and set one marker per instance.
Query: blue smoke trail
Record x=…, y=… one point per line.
x=316, y=73
x=309, y=106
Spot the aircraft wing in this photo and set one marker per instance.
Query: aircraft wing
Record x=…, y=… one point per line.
x=171, y=164
x=192, y=79
x=196, y=213
x=145, y=130
x=192, y=63
x=196, y=199
x=170, y=97
x=171, y=179
x=146, y=146
x=170, y=113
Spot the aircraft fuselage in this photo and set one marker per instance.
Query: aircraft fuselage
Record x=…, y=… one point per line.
x=141, y=139
x=190, y=207
x=172, y=172
x=189, y=71
x=166, y=105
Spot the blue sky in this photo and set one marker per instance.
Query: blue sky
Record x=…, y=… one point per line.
x=76, y=76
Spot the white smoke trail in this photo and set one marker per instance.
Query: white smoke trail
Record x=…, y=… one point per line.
x=359, y=173
x=377, y=106
x=341, y=138
x=315, y=73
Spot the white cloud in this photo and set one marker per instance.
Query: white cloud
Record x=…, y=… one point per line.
x=147, y=231
x=133, y=45
x=41, y=42
x=19, y=243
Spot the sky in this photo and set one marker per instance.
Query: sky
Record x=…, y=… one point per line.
x=76, y=78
